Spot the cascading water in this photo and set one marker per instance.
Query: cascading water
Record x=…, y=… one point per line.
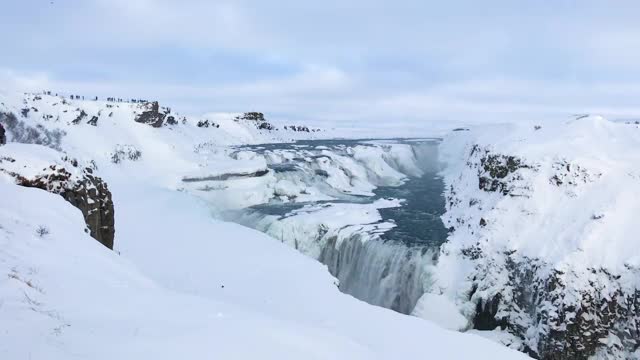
x=381, y=273
x=381, y=254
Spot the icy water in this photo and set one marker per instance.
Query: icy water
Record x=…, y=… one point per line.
x=393, y=271
x=417, y=221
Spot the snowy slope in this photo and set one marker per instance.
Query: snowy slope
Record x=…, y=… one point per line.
x=181, y=284
x=545, y=239
x=116, y=136
x=67, y=296
x=166, y=154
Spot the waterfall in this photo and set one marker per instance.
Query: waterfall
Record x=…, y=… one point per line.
x=379, y=272
x=373, y=261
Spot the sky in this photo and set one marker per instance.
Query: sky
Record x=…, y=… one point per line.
x=401, y=62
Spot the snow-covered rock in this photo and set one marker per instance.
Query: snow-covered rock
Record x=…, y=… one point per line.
x=544, y=243
x=46, y=169
x=48, y=118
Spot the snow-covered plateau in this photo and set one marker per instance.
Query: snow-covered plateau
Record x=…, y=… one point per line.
x=518, y=235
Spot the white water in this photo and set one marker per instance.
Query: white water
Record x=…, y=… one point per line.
x=347, y=236
x=381, y=273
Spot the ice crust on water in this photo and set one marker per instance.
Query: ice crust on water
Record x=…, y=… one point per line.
x=346, y=235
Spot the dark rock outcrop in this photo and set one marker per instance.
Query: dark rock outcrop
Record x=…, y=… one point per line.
x=153, y=114
x=575, y=324
x=93, y=121
x=92, y=196
x=253, y=116
x=85, y=191
x=496, y=172
x=79, y=118
x=3, y=136
x=206, y=123
x=266, y=126
x=258, y=117
x=486, y=317
x=171, y=120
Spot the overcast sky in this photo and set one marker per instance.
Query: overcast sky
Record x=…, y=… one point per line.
x=349, y=61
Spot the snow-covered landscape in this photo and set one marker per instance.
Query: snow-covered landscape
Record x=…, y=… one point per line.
x=242, y=179
x=179, y=282
x=231, y=241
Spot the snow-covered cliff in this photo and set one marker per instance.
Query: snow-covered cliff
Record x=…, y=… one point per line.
x=49, y=170
x=56, y=113
x=544, y=242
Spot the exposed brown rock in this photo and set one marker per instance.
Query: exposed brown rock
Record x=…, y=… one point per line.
x=87, y=192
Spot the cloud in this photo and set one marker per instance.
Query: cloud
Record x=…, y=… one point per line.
x=14, y=81
x=335, y=61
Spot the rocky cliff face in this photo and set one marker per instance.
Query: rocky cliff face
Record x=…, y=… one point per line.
x=153, y=115
x=3, y=136
x=258, y=119
x=75, y=183
x=529, y=228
